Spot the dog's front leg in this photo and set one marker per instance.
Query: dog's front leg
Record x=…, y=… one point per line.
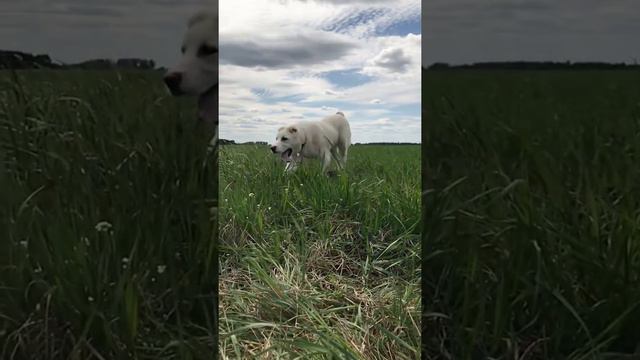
x=288, y=167
x=291, y=166
x=293, y=163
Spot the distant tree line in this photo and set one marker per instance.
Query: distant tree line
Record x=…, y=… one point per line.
x=387, y=143
x=537, y=65
x=232, y=142
x=20, y=60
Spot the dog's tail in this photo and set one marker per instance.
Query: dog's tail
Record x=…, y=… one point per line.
x=340, y=113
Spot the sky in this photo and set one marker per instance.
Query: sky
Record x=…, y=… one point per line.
x=287, y=61
x=456, y=31
x=351, y=66
x=466, y=31
x=78, y=30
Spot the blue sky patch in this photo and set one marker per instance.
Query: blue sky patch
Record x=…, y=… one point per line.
x=347, y=78
x=267, y=97
x=403, y=28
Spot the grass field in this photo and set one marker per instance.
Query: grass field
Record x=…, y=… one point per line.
x=532, y=215
x=107, y=244
x=108, y=240
x=317, y=267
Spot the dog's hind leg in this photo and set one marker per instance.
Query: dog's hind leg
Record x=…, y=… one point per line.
x=343, y=149
x=326, y=160
x=337, y=156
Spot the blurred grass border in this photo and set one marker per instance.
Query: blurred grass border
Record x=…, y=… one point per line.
x=531, y=208
x=108, y=231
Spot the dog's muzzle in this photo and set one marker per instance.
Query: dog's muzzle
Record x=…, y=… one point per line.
x=273, y=149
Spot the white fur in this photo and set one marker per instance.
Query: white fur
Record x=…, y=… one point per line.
x=199, y=71
x=198, y=67
x=325, y=139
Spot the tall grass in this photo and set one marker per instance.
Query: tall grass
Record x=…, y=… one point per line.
x=532, y=215
x=317, y=267
x=108, y=245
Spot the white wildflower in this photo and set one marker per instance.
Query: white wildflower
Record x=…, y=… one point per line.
x=103, y=226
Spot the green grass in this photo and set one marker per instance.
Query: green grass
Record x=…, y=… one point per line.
x=108, y=237
x=107, y=244
x=318, y=267
x=532, y=215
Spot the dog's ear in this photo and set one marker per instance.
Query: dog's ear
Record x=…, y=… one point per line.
x=203, y=15
x=293, y=129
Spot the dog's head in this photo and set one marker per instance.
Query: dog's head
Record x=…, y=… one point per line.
x=289, y=141
x=197, y=72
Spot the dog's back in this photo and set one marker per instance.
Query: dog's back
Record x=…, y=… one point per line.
x=339, y=122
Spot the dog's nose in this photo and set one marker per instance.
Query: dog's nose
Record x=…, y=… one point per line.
x=173, y=81
x=273, y=149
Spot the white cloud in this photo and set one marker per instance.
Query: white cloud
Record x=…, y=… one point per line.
x=392, y=59
x=382, y=121
x=396, y=55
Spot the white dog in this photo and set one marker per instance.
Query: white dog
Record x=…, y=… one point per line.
x=324, y=139
x=197, y=73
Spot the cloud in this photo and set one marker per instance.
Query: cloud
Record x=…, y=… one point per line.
x=399, y=57
x=290, y=49
x=94, y=11
x=392, y=59
x=381, y=122
x=342, y=2
x=333, y=93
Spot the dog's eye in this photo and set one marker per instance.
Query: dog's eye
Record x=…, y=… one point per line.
x=284, y=138
x=183, y=49
x=206, y=50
